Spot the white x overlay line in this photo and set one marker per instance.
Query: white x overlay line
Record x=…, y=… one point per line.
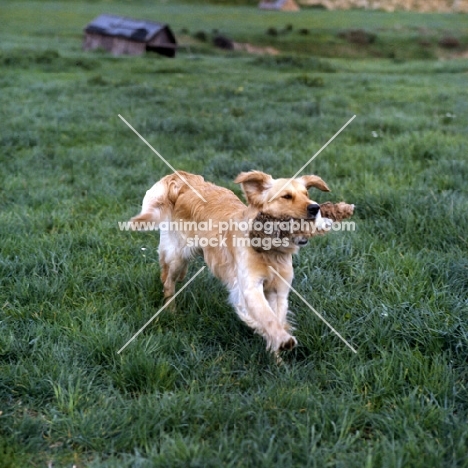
x=313, y=157
x=162, y=159
x=161, y=309
x=313, y=310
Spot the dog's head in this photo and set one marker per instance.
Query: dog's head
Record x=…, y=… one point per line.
x=281, y=198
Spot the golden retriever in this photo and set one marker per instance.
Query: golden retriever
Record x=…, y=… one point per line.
x=219, y=227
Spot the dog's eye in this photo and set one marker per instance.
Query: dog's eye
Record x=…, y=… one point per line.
x=288, y=196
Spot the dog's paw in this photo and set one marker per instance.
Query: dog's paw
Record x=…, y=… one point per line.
x=288, y=344
x=282, y=341
x=170, y=306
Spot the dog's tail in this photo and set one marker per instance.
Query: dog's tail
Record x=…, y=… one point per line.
x=160, y=199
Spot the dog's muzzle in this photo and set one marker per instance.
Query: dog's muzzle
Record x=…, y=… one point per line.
x=300, y=241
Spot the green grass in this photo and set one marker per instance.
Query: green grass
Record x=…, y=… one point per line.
x=197, y=388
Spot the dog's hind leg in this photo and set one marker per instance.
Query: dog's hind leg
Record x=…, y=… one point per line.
x=172, y=271
x=175, y=271
x=173, y=264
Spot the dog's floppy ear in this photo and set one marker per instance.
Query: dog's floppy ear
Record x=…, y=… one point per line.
x=313, y=181
x=255, y=185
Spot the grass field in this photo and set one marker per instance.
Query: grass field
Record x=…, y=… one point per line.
x=197, y=388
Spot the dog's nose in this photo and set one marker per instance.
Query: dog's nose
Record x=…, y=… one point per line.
x=313, y=209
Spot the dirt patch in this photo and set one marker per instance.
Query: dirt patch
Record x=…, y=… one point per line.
x=251, y=49
x=223, y=42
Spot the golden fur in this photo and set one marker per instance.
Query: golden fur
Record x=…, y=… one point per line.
x=259, y=297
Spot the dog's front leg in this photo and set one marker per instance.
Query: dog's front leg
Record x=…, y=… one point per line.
x=278, y=300
x=264, y=320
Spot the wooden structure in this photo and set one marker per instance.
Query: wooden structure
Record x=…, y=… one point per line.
x=120, y=35
x=279, y=5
